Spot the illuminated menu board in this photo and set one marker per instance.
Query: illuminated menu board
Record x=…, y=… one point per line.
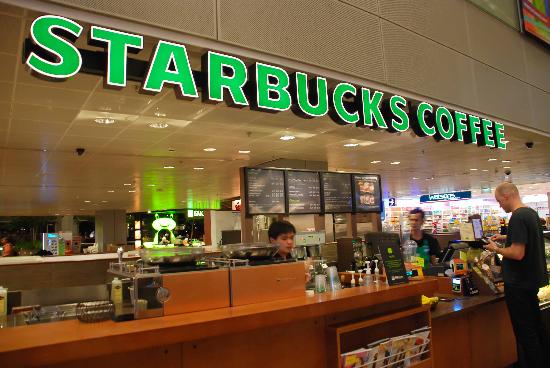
x=303, y=192
x=336, y=192
x=366, y=191
x=265, y=191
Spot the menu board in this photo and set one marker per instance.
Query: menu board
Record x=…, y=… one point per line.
x=336, y=192
x=304, y=192
x=367, y=197
x=265, y=191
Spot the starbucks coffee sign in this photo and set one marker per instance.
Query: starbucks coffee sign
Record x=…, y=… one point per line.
x=259, y=86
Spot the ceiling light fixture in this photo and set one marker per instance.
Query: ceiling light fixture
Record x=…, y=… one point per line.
x=159, y=114
x=244, y=151
x=87, y=201
x=395, y=163
x=209, y=149
x=414, y=178
x=507, y=167
x=104, y=201
x=110, y=191
x=151, y=185
x=473, y=169
x=492, y=159
x=351, y=144
x=159, y=125
x=485, y=170
x=375, y=162
x=131, y=191
x=105, y=121
x=506, y=161
x=198, y=168
x=169, y=167
x=127, y=184
x=44, y=150
x=287, y=137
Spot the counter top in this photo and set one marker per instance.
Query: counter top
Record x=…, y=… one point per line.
x=70, y=340
x=6, y=261
x=462, y=304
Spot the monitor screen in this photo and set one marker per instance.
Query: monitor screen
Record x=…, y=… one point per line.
x=478, y=228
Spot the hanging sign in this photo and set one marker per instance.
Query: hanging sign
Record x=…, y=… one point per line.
x=52, y=53
x=445, y=197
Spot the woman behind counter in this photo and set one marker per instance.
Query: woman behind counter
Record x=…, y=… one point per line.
x=282, y=233
x=8, y=247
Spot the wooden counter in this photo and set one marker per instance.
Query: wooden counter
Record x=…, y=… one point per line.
x=283, y=333
x=473, y=332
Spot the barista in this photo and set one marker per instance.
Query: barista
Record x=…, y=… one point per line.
x=282, y=233
x=428, y=247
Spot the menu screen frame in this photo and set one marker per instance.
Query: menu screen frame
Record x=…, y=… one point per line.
x=323, y=203
x=377, y=206
x=287, y=193
x=247, y=194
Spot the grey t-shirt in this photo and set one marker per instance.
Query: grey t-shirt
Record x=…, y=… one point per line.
x=529, y=273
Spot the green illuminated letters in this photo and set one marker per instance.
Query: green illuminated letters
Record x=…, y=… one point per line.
x=396, y=104
x=68, y=58
x=371, y=108
x=487, y=127
x=160, y=71
x=474, y=129
x=303, y=96
x=499, y=135
x=265, y=88
x=341, y=115
x=439, y=114
x=117, y=52
x=460, y=118
x=424, y=107
x=217, y=81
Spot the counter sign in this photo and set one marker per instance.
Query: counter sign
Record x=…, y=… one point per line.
x=259, y=86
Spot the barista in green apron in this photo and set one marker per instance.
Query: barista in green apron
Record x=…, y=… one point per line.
x=428, y=247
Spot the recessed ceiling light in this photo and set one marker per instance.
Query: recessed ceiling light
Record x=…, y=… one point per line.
x=151, y=185
x=198, y=168
x=287, y=137
x=375, y=162
x=110, y=191
x=485, y=170
x=87, y=201
x=159, y=114
x=44, y=150
x=105, y=121
x=103, y=201
x=395, y=163
x=169, y=167
x=244, y=151
x=351, y=144
x=209, y=149
x=159, y=125
x=507, y=167
x=131, y=191
x=506, y=161
x=127, y=184
x=492, y=159
x=415, y=178
x=473, y=169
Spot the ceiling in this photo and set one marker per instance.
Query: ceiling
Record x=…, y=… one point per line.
x=42, y=123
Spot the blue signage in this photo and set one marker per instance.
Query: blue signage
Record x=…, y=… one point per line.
x=444, y=197
x=391, y=202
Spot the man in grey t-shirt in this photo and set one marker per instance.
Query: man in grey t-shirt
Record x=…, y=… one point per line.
x=524, y=272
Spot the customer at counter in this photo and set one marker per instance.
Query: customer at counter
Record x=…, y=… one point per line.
x=282, y=233
x=524, y=272
x=8, y=247
x=428, y=247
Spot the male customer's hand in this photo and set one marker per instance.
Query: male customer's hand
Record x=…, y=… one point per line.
x=498, y=238
x=491, y=246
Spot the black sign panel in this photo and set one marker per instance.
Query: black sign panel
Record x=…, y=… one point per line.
x=336, y=192
x=366, y=193
x=265, y=191
x=392, y=258
x=303, y=192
